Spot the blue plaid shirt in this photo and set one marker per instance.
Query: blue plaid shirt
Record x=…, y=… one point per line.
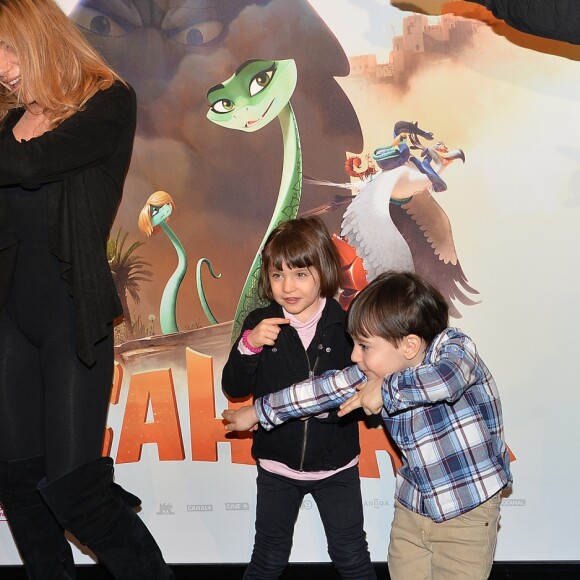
x=445, y=416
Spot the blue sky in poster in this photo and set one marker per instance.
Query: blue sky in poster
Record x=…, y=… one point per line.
x=371, y=34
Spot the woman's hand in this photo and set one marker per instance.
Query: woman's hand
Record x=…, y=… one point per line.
x=242, y=419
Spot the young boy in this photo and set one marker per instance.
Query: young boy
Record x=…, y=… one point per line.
x=440, y=404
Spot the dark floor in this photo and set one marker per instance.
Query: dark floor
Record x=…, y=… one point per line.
x=501, y=571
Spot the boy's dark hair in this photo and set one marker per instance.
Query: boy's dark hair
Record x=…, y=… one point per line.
x=301, y=243
x=396, y=304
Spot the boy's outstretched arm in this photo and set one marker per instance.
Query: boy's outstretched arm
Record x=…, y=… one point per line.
x=309, y=397
x=369, y=397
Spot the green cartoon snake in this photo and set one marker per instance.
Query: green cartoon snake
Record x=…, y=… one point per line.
x=154, y=215
x=258, y=92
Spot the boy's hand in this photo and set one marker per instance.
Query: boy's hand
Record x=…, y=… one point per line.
x=266, y=332
x=369, y=398
x=242, y=419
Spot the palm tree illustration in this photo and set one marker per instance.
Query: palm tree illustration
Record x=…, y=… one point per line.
x=128, y=270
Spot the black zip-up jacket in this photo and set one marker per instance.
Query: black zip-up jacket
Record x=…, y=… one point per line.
x=313, y=444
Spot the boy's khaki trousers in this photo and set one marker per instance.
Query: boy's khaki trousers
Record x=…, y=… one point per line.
x=461, y=548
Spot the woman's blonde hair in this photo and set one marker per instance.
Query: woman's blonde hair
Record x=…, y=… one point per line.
x=157, y=199
x=58, y=66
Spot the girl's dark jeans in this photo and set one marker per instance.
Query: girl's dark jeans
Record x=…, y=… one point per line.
x=339, y=503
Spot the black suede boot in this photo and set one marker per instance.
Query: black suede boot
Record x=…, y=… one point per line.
x=89, y=505
x=39, y=537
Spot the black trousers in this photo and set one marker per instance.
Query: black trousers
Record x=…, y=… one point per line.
x=339, y=503
x=53, y=409
x=51, y=404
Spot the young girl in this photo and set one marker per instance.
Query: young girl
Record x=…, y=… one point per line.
x=299, y=334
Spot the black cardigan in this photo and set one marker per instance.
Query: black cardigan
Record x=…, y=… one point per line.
x=89, y=154
x=314, y=444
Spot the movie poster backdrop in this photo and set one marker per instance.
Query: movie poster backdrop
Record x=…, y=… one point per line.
x=487, y=207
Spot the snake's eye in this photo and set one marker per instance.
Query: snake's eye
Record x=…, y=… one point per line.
x=260, y=81
x=223, y=106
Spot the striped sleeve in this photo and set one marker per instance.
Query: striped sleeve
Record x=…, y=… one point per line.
x=450, y=368
x=309, y=397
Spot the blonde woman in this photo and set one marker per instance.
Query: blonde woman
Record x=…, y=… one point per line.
x=67, y=125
